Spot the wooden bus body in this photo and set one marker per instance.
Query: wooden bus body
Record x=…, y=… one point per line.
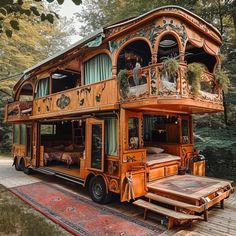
x=107, y=114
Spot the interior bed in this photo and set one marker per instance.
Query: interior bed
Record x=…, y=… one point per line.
x=161, y=164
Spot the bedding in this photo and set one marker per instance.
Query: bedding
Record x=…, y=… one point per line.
x=154, y=150
x=158, y=158
x=69, y=158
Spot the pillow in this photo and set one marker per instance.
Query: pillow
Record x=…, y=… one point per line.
x=154, y=150
x=69, y=148
x=58, y=147
x=78, y=147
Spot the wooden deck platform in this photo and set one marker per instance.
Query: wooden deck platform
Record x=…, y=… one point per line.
x=220, y=222
x=190, y=189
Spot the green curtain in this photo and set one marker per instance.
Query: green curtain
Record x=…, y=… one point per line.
x=43, y=88
x=111, y=137
x=23, y=134
x=97, y=69
x=148, y=126
x=15, y=134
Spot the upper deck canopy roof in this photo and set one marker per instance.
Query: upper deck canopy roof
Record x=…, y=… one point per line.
x=84, y=41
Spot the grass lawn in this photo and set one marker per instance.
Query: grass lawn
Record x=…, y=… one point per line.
x=18, y=218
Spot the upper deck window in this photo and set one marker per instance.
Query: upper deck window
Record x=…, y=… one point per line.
x=168, y=47
x=63, y=80
x=135, y=52
x=42, y=88
x=97, y=69
x=26, y=93
x=199, y=55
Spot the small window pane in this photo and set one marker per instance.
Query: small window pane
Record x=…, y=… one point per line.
x=23, y=134
x=133, y=129
x=48, y=129
x=96, y=154
x=15, y=134
x=185, y=138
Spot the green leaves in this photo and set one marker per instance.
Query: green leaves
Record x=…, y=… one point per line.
x=14, y=24
x=50, y=18
x=77, y=2
x=35, y=10
x=8, y=33
x=60, y=2
x=14, y=9
x=3, y=11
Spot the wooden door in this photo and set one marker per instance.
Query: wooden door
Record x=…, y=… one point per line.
x=95, y=144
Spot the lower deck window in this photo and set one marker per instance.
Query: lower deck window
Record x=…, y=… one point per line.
x=111, y=137
x=161, y=129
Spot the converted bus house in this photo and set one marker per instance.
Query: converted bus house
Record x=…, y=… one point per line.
x=113, y=114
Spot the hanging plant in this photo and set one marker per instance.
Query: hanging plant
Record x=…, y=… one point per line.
x=222, y=80
x=123, y=83
x=170, y=66
x=193, y=74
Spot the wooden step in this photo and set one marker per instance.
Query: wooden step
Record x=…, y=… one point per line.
x=172, y=215
x=176, y=203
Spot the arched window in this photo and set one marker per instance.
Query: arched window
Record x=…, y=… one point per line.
x=168, y=47
x=137, y=51
x=196, y=54
x=97, y=69
x=26, y=93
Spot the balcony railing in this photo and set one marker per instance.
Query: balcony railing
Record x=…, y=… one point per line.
x=79, y=99
x=18, y=111
x=154, y=82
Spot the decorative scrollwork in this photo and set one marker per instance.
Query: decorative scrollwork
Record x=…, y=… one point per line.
x=63, y=101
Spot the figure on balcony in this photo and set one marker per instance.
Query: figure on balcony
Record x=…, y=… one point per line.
x=136, y=73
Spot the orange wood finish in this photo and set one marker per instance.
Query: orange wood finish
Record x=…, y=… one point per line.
x=126, y=174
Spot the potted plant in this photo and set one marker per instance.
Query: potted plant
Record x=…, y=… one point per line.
x=170, y=66
x=193, y=74
x=222, y=80
x=123, y=83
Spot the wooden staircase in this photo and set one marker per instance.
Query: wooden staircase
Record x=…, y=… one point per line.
x=152, y=201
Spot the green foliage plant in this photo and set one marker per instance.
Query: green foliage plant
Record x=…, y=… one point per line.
x=123, y=83
x=193, y=75
x=222, y=80
x=11, y=11
x=170, y=66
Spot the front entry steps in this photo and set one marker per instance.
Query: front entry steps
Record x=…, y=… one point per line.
x=172, y=215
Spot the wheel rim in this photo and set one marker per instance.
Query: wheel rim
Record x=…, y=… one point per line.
x=97, y=190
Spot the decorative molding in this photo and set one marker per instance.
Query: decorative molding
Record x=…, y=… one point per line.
x=153, y=83
x=63, y=101
x=151, y=33
x=81, y=102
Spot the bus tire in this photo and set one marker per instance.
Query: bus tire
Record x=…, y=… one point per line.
x=17, y=165
x=98, y=191
x=26, y=170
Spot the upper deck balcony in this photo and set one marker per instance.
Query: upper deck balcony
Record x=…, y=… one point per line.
x=102, y=95
x=154, y=89
x=18, y=111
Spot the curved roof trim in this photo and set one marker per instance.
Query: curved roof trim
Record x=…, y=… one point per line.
x=129, y=20
x=100, y=31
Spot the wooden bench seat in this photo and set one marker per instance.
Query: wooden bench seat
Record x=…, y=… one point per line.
x=175, y=203
x=172, y=215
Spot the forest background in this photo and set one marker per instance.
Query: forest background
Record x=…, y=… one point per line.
x=33, y=31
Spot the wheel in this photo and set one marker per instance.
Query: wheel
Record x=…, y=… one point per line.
x=17, y=165
x=25, y=169
x=97, y=190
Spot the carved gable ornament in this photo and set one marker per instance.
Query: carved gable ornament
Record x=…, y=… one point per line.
x=151, y=32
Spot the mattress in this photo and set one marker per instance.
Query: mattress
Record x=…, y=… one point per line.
x=158, y=158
